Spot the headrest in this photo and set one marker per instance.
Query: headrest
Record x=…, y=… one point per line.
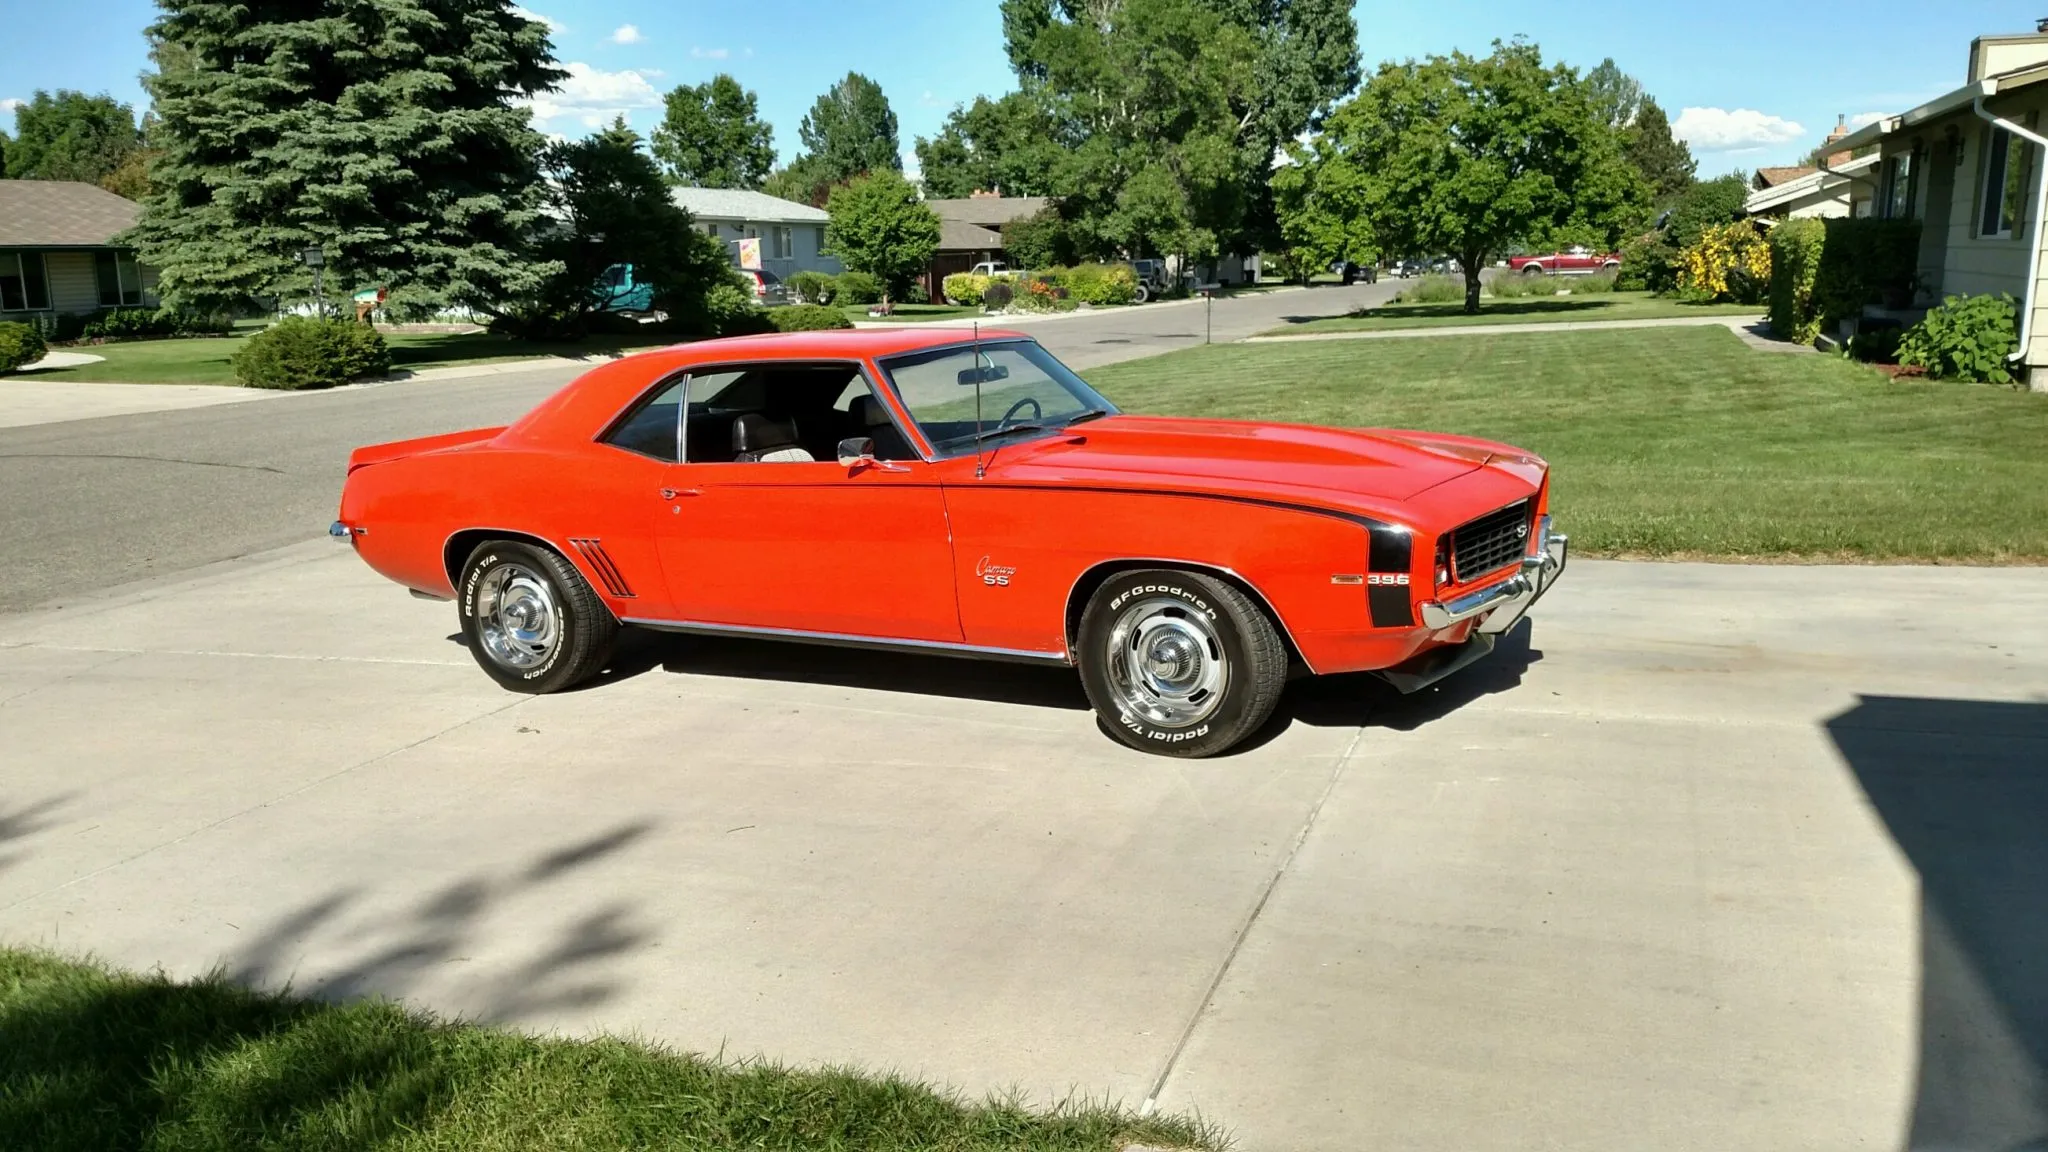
x=753, y=432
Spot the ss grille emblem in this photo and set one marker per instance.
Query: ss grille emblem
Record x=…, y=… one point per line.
x=1522, y=531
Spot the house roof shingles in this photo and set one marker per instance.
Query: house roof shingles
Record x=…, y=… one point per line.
x=740, y=204
x=1772, y=177
x=988, y=211
x=959, y=236
x=62, y=214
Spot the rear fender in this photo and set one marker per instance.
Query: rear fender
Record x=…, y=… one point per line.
x=400, y=449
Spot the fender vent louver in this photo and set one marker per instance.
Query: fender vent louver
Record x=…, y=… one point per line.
x=600, y=562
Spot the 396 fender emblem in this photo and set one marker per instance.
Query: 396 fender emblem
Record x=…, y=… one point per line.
x=1387, y=579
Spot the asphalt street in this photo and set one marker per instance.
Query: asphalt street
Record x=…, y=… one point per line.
x=88, y=504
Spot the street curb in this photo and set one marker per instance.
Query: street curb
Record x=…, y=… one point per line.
x=1501, y=329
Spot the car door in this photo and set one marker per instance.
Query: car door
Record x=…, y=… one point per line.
x=805, y=545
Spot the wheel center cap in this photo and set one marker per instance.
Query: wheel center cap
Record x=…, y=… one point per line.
x=1171, y=659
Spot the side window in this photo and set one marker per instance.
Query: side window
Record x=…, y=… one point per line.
x=651, y=429
x=717, y=400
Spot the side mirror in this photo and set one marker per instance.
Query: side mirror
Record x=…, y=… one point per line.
x=855, y=451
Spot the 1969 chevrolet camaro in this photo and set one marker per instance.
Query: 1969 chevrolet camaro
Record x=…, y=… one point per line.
x=960, y=493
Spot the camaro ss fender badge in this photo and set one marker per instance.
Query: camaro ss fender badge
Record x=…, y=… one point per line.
x=994, y=575
x=1387, y=579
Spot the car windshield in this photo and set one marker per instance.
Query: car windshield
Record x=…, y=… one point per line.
x=1022, y=390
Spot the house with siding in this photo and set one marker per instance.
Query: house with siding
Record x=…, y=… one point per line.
x=58, y=255
x=1968, y=165
x=792, y=235
x=971, y=231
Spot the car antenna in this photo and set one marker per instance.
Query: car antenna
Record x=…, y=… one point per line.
x=980, y=462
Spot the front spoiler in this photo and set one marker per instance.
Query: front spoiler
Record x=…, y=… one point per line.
x=1498, y=609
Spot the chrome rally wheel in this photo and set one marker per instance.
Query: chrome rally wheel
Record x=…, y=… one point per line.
x=1166, y=662
x=532, y=621
x=517, y=619
x=1179, y=663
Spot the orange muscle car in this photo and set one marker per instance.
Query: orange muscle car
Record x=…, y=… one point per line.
x=964, y=494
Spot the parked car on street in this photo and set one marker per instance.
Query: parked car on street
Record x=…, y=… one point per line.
x=989, y=268
x=921, y=491
x=1408, y=268
x=769, y=290
x=1151, y=279
x=1576, y=261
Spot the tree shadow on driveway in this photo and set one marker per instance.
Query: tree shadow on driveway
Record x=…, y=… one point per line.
x=19, y=822
x=1962, y=786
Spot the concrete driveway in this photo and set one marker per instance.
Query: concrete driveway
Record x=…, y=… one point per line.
x=1711, y=857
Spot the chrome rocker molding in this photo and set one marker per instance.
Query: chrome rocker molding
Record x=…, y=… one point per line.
x=1510, y=598
x=848, y=640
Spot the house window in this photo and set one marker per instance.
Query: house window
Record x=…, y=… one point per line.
x=785, y=243
x=119, y=279
x=820, y=230
x=1900, y=199
x=2008, y=169
x=24, y=284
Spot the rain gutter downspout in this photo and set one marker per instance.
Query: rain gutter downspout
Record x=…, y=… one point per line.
x=2040, y=208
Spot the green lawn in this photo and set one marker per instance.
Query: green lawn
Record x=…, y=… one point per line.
x=93, y=1059
x=1521, y=310
x=911, y=313
x=1671, y=441
x=205, y=360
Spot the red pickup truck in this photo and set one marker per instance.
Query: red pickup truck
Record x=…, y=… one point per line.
x=1570, y=262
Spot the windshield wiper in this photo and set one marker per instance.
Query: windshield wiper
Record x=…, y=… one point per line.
x=1007, y=429
x=1091, y=414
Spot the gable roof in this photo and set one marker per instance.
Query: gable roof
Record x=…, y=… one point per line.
x=1817, y=183
x=1772, y=177
x=62, y=214
x=740, y=204
x=956, y=236
x=988, y=211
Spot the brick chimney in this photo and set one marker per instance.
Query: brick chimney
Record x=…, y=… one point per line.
x=1835, y=159
x=985, y=194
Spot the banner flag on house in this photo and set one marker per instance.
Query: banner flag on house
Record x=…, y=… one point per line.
x=750, y=253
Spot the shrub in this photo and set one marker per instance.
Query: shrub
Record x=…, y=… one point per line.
x=1795, y=265
x=1876, y=345
x=303, y=352
x=1729, y=262
x=1866, y=261
x=1513, y=287
x=729, y=310
x=807, y=318
x=1436, y=289
x=999, y=294
x=1102, y=283
x=1594, y=283
x=1707, y=204
x=1967, y=338
x=858, y=288
x=19, y=344
x=813, y=287
x=1648, y=262
x=145, y=323
x=964, y=288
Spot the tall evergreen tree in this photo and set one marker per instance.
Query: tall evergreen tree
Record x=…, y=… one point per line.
x=70, y=136
x=1664, y=160
x=390, y=135
x=1617, y=96
x=711, y=135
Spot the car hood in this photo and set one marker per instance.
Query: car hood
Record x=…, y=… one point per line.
x=1357, y=469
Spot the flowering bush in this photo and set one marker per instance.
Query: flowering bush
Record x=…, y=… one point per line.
x=1728, y=262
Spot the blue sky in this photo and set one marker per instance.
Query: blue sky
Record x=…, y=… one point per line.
x=1746, y=87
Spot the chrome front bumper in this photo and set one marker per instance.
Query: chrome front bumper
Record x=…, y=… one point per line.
x=1503, y=604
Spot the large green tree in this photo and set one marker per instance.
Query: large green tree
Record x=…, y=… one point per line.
x=1169, y=113
x=879, y=226
x=850, y=130
x=1665, y=162
x=1473, y=155
x=612, y=206
x=1617, y=96
x=392, y=136
x=711, y=135
x=1011, y=145
x=70, y=136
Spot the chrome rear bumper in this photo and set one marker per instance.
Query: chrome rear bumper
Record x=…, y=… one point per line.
x=1504, y=603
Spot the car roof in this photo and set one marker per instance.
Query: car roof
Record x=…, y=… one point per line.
x=590, y=402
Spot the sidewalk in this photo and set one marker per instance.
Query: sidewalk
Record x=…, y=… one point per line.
x=1737, y=324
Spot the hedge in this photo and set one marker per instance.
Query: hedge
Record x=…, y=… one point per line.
x=807, y=318
x=19, y=344
x=1796, y=247
x=858, y=288
x=812, y=287
x=301, y=352
x=964, y=288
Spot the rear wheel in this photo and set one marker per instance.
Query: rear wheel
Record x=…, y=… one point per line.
x=532, y=622
x=1179, y=664
x=1532, y=269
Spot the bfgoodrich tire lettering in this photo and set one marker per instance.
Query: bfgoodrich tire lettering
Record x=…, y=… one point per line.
x=1179, y=663
x=531, y=620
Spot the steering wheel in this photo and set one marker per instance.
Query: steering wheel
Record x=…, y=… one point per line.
x=1010, y=417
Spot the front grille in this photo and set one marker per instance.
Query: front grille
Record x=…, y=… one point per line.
x=1492, y=542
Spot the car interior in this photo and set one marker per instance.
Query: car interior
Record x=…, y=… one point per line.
x=765, y=414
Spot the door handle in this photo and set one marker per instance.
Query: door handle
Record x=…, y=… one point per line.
x=673, y=493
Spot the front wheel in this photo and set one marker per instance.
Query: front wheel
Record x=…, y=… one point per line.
x=1178, y=663
x=531, y=620
x=1532, y=269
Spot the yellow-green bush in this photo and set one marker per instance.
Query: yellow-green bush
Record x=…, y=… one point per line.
x=1728, y=262
x=965, y=288
x=1796, y=247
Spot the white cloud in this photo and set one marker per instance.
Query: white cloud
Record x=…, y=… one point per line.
x=1722, y=130
x=1862, y=118
x=11, y=103
x=930, y=101
x=627, y=34
x=594, y=96
x=555, y=27
x=710, y=53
